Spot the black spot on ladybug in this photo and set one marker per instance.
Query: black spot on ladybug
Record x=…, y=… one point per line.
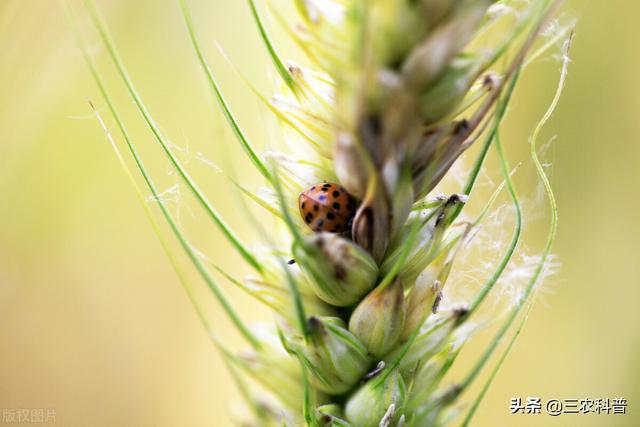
x=330, y=215
x=316, y=207
x=336, y=194
x=336, y=206
x=303, y=205
x=327, y=185
x=324, y=189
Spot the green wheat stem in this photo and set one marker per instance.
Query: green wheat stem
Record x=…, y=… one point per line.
x=273, y=53
x=259, y=201
x=486, y=289
x=237, y=130
x=506, y=258
x=307, y=404
x=293, y=285
x=274, y=110
x=494, y=372
x=244, y=288
x=485, y=211
x=428, y=204
x=553, y=227
x=158, y=135
x=244, y=330
x=524, y=22
x=517, y=65
x=182, y=276
x=295, y=37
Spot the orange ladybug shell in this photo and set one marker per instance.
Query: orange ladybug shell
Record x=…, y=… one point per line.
x=327, y=207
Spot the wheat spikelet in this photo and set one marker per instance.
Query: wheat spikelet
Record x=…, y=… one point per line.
x=400, y=90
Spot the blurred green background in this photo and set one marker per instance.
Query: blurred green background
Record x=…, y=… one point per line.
x=93, y=322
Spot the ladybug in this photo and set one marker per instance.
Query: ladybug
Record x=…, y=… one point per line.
x=327, y=207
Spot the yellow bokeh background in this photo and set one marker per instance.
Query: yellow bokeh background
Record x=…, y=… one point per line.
x=93, y=322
